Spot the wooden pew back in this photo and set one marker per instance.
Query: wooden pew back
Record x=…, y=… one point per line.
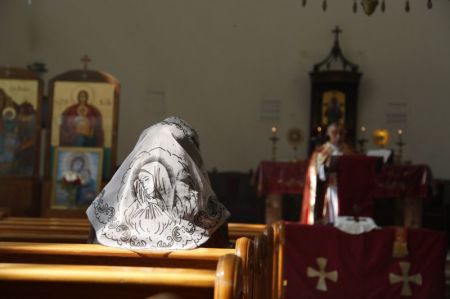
x=94, y=254
x=69, y=230
x=21, y=280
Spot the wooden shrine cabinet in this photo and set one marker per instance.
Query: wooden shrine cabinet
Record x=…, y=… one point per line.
x=334, y=95
x=82, y=155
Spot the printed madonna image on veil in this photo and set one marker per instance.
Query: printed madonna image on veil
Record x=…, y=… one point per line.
x=18, y=126
x=77, y=177
x=83, y=116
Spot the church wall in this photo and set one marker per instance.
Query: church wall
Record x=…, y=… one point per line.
x=213, y=62
x=15, y=21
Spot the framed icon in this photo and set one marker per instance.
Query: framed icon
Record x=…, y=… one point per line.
x=77, y=177
x=84, y=107
x=19, y=127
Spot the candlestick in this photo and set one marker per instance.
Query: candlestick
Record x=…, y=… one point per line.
x=274, y=139
x=318, y=136
x=295, y=138
x=362, y=140
x=400, y=145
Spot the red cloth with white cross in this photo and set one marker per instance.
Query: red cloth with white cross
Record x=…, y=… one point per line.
x=323, y=262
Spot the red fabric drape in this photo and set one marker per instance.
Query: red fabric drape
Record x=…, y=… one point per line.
x=405, y=181
x=365, y=268
x=274, y=177
x=356, y=181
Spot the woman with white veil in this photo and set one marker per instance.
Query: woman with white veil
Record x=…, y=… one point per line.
x=160, y=197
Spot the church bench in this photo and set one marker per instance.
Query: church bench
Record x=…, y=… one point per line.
x=71, y=230
x=47, y=220
x=249, y=230
x=42, y=237
x=95, y=254
x=235, y=230
x=45, y=228
x=23, y=280
x=278, y=260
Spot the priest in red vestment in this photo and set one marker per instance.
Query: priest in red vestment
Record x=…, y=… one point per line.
x=320, y=197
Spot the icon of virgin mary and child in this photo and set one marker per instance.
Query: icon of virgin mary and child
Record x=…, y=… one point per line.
x=81, y=123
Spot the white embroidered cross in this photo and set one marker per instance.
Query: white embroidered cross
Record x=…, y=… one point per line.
x=405, y=279
x=322, y=274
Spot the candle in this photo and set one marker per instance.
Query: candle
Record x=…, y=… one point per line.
x=400, y=134
x=363, y=132
x=319, y=129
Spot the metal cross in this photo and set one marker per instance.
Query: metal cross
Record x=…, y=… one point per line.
x=322, y=274
x=336, y=32
x=405, y=279
x=85, y=59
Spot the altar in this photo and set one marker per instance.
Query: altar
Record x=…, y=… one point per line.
x=410, y=184
x=275, y=179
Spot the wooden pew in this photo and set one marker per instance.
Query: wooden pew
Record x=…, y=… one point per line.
x=45, y=230
x=278, y=253
x=69, y=230
x=94, y=254
x=14, y=219
x=4, y=212
x=22, y=280
x=81, y=226
x=74, y=225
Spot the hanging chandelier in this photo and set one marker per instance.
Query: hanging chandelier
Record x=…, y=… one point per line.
x=369, y=6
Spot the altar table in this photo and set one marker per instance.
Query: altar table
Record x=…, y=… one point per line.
x=411, y=183
x=275, y=178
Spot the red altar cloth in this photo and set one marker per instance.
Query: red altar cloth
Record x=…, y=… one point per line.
x=404, y=181
x=275, y=177
x=323, y=262
x=356, y=183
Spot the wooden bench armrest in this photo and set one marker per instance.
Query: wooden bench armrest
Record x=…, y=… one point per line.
x=229, y=278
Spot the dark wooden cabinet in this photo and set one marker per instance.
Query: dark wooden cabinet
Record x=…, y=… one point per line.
x=334, y=95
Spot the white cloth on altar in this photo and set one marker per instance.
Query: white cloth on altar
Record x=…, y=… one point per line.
x=161, y=196
x=349, y=225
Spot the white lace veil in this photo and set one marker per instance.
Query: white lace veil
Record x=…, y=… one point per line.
x=160, y=197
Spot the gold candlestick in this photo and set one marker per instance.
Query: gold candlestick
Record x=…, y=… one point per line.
x=274, y=139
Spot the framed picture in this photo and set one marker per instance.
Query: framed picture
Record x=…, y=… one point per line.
x=20, y=134
x=19, y=126
x=333, y=108
x=83, y=116
x=77, y=177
